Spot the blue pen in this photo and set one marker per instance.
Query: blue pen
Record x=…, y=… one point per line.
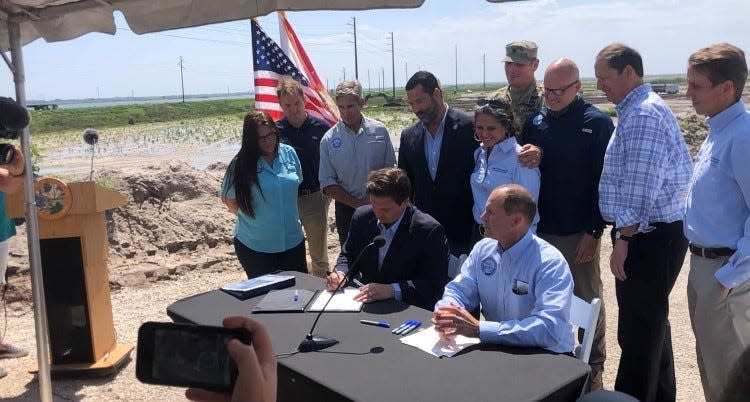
x=381, y=324
x=412, y=328
x=402, y=330
x=296, y=295
x=402, y=326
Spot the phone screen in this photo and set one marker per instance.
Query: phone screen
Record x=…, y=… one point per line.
x=186, y=355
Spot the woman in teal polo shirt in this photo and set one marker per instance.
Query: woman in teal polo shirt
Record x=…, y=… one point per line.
x=260, y=186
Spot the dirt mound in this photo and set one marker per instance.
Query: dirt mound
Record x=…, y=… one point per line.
x=694, y=129
x=173, y=221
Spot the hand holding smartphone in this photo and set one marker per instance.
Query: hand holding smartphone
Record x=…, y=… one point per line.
x=188, y=355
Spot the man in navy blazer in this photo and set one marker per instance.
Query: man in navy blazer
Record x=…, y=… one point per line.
x=437, y=153
x=412, y=266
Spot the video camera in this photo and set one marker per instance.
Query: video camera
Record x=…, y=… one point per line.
x=13, y=119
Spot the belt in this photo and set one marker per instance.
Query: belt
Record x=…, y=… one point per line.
x=711, y=253
x=304, y=191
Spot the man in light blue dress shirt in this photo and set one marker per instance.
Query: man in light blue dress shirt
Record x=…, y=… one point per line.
x=642, y=192
x=717, y=218
x=521, y=282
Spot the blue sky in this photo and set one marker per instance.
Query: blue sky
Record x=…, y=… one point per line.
x=217, y=57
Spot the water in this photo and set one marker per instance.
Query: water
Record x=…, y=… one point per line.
x=88, y=103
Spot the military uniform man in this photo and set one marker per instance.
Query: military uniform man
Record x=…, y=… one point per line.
x=522, y=92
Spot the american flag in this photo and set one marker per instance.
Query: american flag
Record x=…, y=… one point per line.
x=270, y=64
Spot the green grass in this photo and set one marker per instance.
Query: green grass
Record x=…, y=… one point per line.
x=59, y=120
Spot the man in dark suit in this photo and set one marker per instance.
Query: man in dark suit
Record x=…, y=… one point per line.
x=412, y=266
x=437, y=154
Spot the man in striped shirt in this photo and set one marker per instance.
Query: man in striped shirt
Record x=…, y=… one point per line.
x=642, y=192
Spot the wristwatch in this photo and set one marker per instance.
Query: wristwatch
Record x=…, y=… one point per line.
x=620, y=236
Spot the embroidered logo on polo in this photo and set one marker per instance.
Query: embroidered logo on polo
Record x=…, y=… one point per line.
x=587, y=130
x=336, y=143
x=489, y=266
x=538, y=119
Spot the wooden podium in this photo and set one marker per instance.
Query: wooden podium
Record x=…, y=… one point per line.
x=74, y=249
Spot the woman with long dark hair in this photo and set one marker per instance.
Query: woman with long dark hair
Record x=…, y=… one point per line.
x=260, y=186
x=496, y=159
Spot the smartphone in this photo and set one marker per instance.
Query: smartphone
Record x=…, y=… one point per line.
x=187, y=355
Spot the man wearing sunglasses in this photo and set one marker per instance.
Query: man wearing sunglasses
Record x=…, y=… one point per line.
x=575, y=135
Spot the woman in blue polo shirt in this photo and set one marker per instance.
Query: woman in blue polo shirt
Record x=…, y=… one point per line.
x=260, y=186
x=496, y=159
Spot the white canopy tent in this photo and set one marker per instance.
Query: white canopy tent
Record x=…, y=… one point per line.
x=24, y=21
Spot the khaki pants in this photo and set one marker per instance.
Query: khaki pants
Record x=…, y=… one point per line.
x=313, y=212
x=721, y=325
x=587, y=284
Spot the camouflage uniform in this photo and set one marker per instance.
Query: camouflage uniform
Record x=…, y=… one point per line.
x=527, y=102
x=524, y=104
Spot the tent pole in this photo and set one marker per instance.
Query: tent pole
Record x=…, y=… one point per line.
x=32, y=228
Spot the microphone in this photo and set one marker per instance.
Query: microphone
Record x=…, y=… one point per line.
x=312, y=342
x=91, y=137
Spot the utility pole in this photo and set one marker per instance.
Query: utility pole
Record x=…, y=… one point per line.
x=344, y=70
x=393, y=67
x=484, y=71
x=406, y=71
x=369, y=87
x=356, y=65
x=182, y=80
x=456, y=47
x=382, y=86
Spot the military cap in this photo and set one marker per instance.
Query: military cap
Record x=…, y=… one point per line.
x=520, y=51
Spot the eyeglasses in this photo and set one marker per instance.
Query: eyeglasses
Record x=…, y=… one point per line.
x=267, y=136
x=559, y=91
x=493, y=103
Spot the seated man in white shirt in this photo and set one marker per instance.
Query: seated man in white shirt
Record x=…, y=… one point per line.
x=521, y=282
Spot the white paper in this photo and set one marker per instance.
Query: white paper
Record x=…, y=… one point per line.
x=342, y=301
x=429, y=340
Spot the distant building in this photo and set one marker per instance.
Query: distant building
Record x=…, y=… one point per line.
x=665, y=88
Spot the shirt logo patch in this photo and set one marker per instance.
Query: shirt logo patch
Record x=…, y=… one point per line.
x=714, y=161
x=587, y=130
x=336, y=142
x=537, y=119
x=489, y=266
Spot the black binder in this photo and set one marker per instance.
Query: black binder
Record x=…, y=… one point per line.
x=282, y=301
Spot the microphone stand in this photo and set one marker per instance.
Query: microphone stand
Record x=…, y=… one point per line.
x=312, y=342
